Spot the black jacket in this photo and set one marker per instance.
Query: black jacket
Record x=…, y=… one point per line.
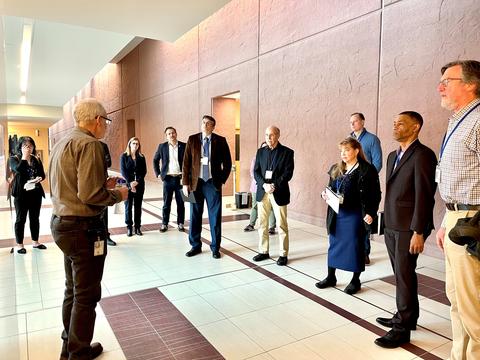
x=367, y=196
x=281, y=164
x=163, y=154
x=23, y=174
x=133, y=170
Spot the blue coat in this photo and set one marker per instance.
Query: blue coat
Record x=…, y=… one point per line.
x=163, y=154
x=371, y=147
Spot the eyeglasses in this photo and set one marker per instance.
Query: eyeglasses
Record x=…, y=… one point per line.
x=107, y=120
x=445, y=81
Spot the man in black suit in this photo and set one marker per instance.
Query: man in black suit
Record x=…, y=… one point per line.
x=206, y=166
x=409, y=200
x=170, y=153
x=273, y=170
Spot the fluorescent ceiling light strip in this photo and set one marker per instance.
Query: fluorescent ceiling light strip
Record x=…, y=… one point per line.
x=25, y=57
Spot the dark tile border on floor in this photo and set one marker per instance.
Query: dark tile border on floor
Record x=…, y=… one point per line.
x=148, y=326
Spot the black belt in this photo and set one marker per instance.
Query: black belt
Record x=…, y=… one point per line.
x=456, y=207
x=79, y=218
x=177, y=175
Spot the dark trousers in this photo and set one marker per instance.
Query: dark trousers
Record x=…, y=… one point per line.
x=134, y=200
x=404, y=265
x=367, y=243
x=105, y=220
x=206, y=191
x=29, y=202
x=171, y=184
x=76, y=236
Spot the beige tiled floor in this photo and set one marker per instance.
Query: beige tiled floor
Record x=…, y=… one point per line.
x=243, y=313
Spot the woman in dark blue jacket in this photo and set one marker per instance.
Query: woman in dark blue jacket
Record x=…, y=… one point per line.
x=134, y=168
x=27, y=191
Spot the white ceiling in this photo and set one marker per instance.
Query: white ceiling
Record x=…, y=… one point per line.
x=73, y=40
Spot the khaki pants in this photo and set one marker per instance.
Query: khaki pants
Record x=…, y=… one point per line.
x=463, y=291
x=264, y=208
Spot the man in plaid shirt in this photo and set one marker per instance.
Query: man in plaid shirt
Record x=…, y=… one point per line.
x=458, y=177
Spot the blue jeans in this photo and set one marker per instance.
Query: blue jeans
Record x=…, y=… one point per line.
x=206, y=191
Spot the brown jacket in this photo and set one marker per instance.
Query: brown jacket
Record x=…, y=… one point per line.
x=220, y=161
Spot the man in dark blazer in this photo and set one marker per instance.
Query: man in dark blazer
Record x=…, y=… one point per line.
x=170, y=153
x=409, y=201
x=206, y=166
x=273, y=170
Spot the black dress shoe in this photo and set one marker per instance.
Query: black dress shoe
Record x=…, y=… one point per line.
x=353, y=287
x=282, y=261
x=393, y=339
x=327, y=282
x=181, y=228
x=22, y=251
x=216, y=254
x=138, y=232
x=129, y=231
x=95, y=350
x=271, y=231
x=111, y=242
x=193, y=252
x=388, y=322
x=261, y=257
x=163, y=228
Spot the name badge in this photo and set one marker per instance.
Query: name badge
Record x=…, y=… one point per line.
x=99, y=247
x=268, y=174
x=204, y=160
x=438, y=173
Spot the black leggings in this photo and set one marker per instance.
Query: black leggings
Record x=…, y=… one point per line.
x=28, y=202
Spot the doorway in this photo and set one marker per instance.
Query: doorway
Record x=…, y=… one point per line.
x=226, y=111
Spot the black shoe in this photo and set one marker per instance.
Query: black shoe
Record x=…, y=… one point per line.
x=193, y=252
x=216, y=254
x=282, y=261
x=22, y=251
x=129, y=231
x=138, y=232
x=248, y=228
x=95, y=350
x=261, y=257
x=271, y=231
x=40, y=247
x=163, y=228
x=327, y=282
x=388, y=322
x=353, y=287
x=393, y=339
x=111, y=242
x=181, y=227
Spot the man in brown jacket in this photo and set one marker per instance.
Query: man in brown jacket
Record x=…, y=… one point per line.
x=206, y=167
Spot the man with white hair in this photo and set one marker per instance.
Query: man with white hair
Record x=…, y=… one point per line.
x=80, y=191
x=273, y=170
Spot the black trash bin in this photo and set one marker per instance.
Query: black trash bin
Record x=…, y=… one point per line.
x=243, y=200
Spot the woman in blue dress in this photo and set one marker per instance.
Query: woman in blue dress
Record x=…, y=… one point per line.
x=356, y=183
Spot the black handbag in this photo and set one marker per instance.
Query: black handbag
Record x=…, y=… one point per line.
x=467, y=232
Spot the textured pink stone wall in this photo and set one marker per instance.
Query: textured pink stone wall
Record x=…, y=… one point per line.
x=302, y=65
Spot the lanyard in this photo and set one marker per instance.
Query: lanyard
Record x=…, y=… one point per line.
x=445, y=141
x=345, y=176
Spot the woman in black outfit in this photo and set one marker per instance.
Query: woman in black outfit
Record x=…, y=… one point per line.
x=27, y=191
x=134, y=168
x=356, y=183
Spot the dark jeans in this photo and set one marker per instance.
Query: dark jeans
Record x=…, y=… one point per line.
x=28, y=202
x=404, y=265
x=134, y=200
x=171, y=184
x=105, y=220
x=75, y=236
x=206, y=191
x=367, y=243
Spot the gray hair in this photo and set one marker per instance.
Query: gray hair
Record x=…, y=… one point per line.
x=470, y=71
x=275, y=129
x=86, y=110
